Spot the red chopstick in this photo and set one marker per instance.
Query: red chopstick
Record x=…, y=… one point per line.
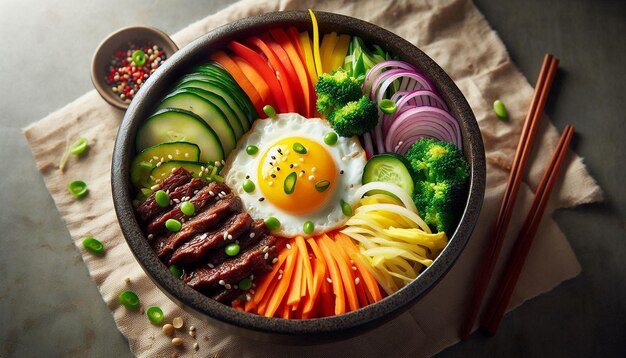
x=540, y=96
x=524, y=241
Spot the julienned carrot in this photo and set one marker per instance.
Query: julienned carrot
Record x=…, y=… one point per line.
x=335, y=276
x=283, y=284
x=344, y=271
x=293, y=297
x=264, y=284
x=326, y=51
x=370, y=281
x=340, y=51
x=260, y=309
x=305, y=41
x=266, y=72
x=360, y=290
x=257, y=81
x=280, y=72
x=307, y=262
x=316, y=45
x=225, y=61
x=326, y=301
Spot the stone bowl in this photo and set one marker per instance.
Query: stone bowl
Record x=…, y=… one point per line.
x=275, y=329
x=118, y=40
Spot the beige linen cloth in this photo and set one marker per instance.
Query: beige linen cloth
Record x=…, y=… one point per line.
x=455, y=35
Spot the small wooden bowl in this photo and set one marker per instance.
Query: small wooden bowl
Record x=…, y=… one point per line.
x=118, y=40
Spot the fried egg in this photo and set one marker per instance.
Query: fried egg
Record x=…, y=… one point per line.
x=297, y=177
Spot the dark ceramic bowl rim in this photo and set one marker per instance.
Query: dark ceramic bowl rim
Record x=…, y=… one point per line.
x=331, y=328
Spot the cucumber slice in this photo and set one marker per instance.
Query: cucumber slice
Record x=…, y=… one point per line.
x=164, y=152
x=233, y=118
x=176, y=125
x=389, y=168
x=212, y=86
x=161, y=172
x=206, y=110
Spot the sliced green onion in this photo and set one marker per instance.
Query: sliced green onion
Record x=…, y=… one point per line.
x=129, y=299
x=79, y=147
x=187, y=208
x=248, y=186
x=252, y=149
x=173, y=225
x=308, y=227
x=93, y=245
x=232, y=249
x=272, y=223
x=290, y=183
x=388, y=106
x=269, y=110
x=78, y=188
x=298, y=148
x=346, y=209
x=218, y=178
x=176, y=271
x=139, y=58
x=500, y=110
x=161, y=198
x=245, y=284
x=330, y=138
x=322, y=185
x=155, y=314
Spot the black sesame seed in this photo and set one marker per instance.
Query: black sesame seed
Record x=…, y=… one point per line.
x=273, y=157
x=273, y=175
x=271, y=163
x=278, y=168
x=247, y=177
x=341, y=172
x=261, y=198
x=290, y=165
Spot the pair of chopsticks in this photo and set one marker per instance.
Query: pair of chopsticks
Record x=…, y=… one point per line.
x=531, y=124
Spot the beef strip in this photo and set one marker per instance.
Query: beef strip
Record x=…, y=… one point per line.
x=196, y=249
x=257, y=228
x=207, y=220
x=204, y=197
x=149, y=208
x=256, y=260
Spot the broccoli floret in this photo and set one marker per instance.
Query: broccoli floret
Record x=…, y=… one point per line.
x=336, y=90
x=442, y=174
x=435, y=161
x=355, y=118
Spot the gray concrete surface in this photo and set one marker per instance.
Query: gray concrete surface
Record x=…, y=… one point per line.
x=49, y=307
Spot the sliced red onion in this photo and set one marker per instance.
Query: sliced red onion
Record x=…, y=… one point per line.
x=367, y=145
x=382, y=66
x=418, y=82
x=434, y=121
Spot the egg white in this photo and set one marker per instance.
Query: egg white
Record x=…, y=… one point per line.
x=347, y=153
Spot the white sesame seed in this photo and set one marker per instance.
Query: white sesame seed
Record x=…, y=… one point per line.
x=159, y=164
x=169, y=156
x=223, y=193
x=222, y=282
x=155, y=157
x=301, y=160
x=155, y=187
x=353, y=268
x=211, y=193
x=217, y=164
x=288, y=246
x=211, y=265
x=265, y=248
x=192, y=328
x=301, y=174
x=311, y=178
x=275, y=260
x=280, y=276
x=287, y=152
x=252, y=235
x=193, y=335
x=173, y=170
x=230, y=237
x=186, y=155
x=270, y=183
x=162, y=159
x=266, y=256
x=177, y=152
x=329, y=280
x=223, y=162
x=248, y=297
x=252, y=277
x=344, y=158
x=176, y=201
x=313, y=170
x=196, y=346
x=195, y=192
x=158, y=181
x=284, y=159
x=228, y=286
x=150, y=236
x=357, y=281
x=295, y=165
x=225, y=234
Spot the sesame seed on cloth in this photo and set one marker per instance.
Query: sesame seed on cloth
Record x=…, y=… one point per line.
x=481, y=69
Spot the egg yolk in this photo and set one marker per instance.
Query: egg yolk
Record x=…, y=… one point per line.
x=297, y=175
